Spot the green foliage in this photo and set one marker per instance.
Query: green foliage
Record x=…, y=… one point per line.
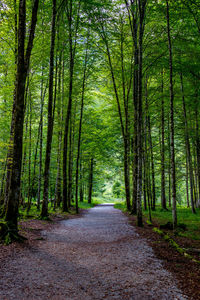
x=121, y=206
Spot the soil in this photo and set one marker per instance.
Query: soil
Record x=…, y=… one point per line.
x=98, y=255
x=186, y=272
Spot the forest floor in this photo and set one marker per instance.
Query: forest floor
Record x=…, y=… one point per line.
x=96, y=255
x=186, y=271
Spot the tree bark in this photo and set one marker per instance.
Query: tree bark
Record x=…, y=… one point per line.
x=163, y=197
x=90, y=181
x=72, y=52
x=188, y=151
x=58, y=197
x=173, y=167
x=22, y=69
x=197, y=149
x=80, y=129
x=44, y=212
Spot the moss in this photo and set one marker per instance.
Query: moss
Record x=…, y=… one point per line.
x=149, y=223
x=168, y=239
x=155, y=229
x=7, y=239
x=9, y=233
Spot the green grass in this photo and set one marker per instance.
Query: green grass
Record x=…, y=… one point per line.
x=34, y=213
x=121, y=206
x=101, y=200
x=85, y=205
x=184, y=215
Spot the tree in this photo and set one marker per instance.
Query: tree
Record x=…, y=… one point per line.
x=44, y=212
x=23, y=61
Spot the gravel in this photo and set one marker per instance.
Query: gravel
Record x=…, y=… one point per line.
x=97, y=256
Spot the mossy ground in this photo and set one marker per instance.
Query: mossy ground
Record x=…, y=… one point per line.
x=184, y=215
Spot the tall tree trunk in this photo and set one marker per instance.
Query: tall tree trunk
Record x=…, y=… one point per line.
x=135, y=104
x=3, y=180
x=42, y=95
x=70, y=168
x=152, y=165
x=90, y=181
x=173, y=167
x=22, y=69
x=163, y=197
x=29, y=154
x=81, y=191
x=126, y=127
x=44, y=212
x=69, y=108
x=24, y=158
x=72, y=53
x=80, y=128
x=10, y=147
x=145, y=179
x=169, y=163
x=188, y=151
x=197, y=149
x=186, y=182
x=59, y=117
x=147, y=167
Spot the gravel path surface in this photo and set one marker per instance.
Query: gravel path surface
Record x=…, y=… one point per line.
x=97, y=256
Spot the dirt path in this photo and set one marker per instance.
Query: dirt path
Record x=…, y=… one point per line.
x=97, y=256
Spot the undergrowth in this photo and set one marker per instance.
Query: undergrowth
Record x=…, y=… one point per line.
x=184, y=215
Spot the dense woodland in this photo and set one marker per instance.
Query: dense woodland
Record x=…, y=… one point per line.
x=97, y=96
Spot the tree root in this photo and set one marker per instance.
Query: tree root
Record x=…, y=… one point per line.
x=9, y=233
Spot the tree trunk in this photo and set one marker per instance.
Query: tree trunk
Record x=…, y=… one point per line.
x=70, y=169
x=69, y=108
x=10, y=147
x=142, y=6
x=41, y=141
x=188, y=151
x=173, y=167
x=169, y=164
x=163, y=197
x=90, y=181
x=58, y=196
x=80, y=129
x=81, y=192
x=186, y=182
x=29, y=155
x=44, y=212
x=22, y=69
x=135, y=104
